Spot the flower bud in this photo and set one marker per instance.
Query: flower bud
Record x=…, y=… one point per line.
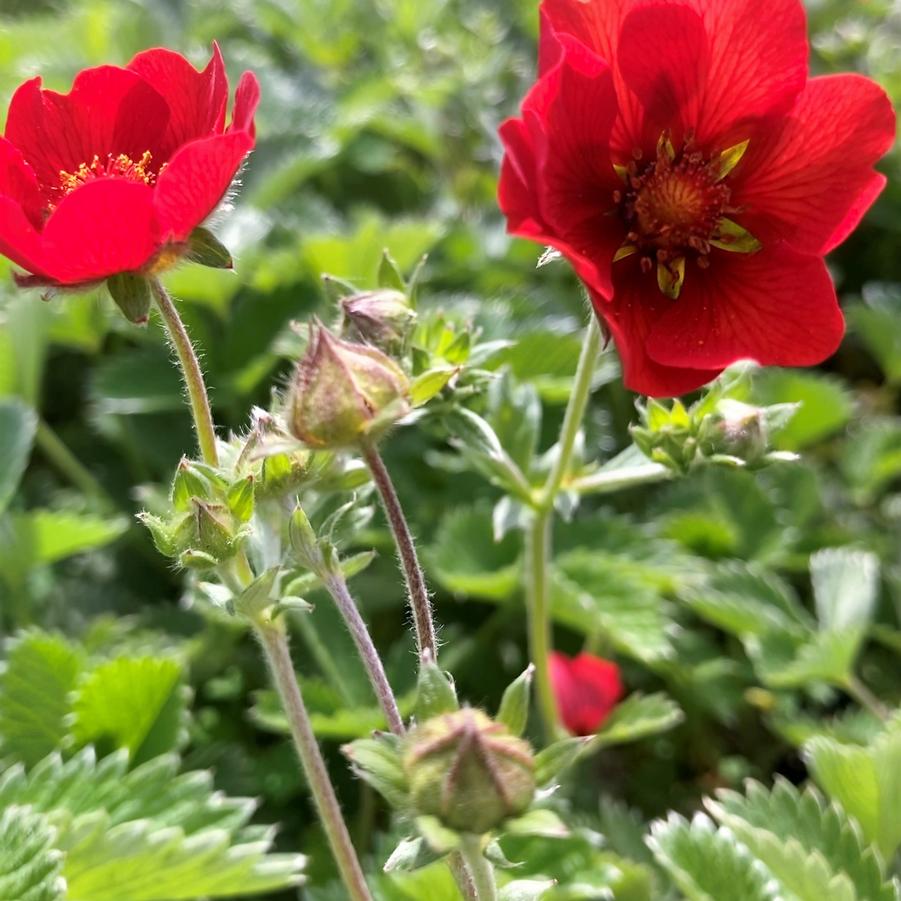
x=344, y=392
x=736, y=430
x=468, y=771
x=383, y=319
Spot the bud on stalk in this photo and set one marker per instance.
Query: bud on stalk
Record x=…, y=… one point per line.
x=344, y=392
x=469, y=771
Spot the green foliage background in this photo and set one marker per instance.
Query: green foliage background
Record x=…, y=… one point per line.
x=377, y=129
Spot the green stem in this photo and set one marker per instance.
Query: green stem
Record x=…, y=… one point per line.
x=539, y=533
x=479, y=867
x=617, y=480
x=856, y=688
x=191, y=372
x=275, y=646
x=538, y=555
x=575, y=413
x=69, y=465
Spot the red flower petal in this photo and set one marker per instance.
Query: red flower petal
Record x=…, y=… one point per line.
x=636, y=306
x=777, y=307
x=808, y=179
x=108, y=111
x=196, y=180
x=19, y=240
x=104, y=227
x=712, y=66
x=247, y=99
x=196, y=100
x=558, y=180
x=587, y=689
x=18, y=182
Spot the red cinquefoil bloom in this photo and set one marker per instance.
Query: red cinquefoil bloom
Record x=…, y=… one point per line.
x=678, y=155
x=587, y=688
x=115, y=175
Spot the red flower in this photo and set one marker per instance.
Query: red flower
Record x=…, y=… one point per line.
x=587, y=689
x=115, y=175
x=677, y=154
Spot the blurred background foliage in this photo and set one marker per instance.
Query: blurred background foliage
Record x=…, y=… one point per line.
x=377, y=130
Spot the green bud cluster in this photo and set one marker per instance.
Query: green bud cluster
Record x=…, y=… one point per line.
x=206, y=521
x=716, y=429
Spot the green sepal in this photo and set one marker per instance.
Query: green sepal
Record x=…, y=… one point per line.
x=411, y=854
x=190, y=482
x=213, y=530
x=435, y=692
x=132, y=296
x=732, y=237
x=257, y=596
x=336, y=288
x=194, y=559
x=240, y=499
x=729, y=159
x=671, y=277
x=390, y=275
x=378, y=762
x=207, y=250
x=514, y=709
x=424, y=387
x=440, y=838
x=557, y=757
x=303, y=540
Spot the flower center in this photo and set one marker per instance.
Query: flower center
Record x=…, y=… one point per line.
x=675, y=208
x=114, y=166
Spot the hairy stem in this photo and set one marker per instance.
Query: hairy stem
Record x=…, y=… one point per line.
x=417, y=592
x=275, y=646
x=480, y=867
x=191, y=372
x=336, y=585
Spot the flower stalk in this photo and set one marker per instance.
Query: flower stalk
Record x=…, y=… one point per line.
x=539, y=535
x=481, y=869
x=191, y=373
x=417, y=592
x=275, y=646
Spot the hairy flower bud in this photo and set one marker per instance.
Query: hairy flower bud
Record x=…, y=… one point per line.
x=381, y=318
x=469, y=771
x=344, y=392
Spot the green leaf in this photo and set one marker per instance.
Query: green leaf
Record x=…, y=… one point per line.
x=878, y=323
x=18, y=425
x=637, y=717
x=40, y=672
x=597, y=597
x=46, y=536
x=845, y=588
x=707, y=864
x=872, y=458
x=826, y=405
x=813, y=849
x=150, y=833
x=136, y=703
x=525, y=890
x=30, y=865
x=557, y=757
x=466, y=560
x=784, y=661
x=866, y=781
x=409, y=855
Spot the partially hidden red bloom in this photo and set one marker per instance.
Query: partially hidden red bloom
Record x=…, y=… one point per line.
x=678, y=155
x=587, y=689
x=115, y=175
